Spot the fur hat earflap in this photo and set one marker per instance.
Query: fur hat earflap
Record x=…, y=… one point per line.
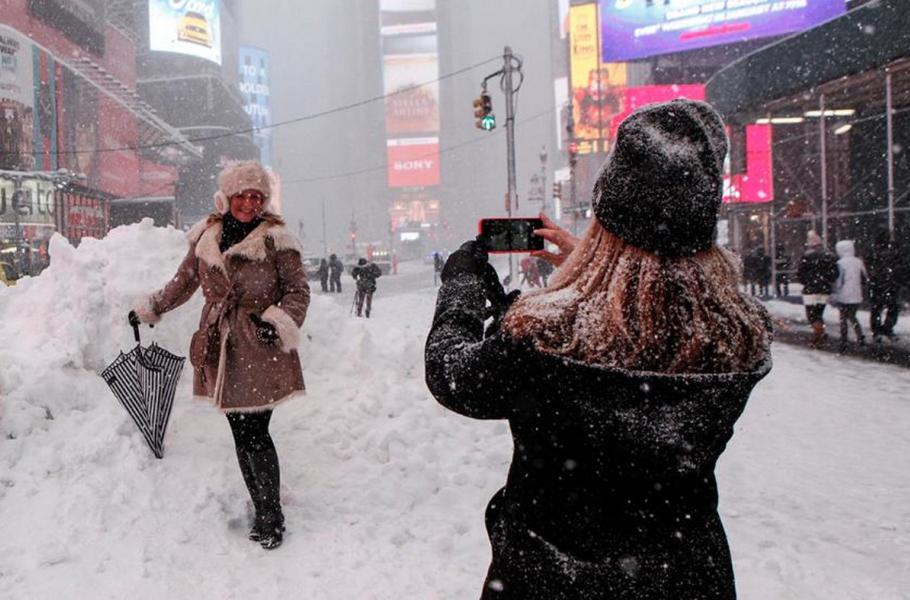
x=240, y=176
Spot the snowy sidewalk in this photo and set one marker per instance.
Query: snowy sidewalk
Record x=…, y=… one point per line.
x=791, y=327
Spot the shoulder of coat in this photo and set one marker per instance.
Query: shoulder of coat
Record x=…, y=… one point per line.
x=201, y=227
x=282, y=237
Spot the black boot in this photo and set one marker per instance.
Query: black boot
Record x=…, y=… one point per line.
x=246, y=469
x=268, y=528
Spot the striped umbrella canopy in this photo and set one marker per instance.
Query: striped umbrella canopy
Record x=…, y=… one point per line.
x=144, y=380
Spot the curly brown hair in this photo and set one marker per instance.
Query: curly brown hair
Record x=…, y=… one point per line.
x=616, y=305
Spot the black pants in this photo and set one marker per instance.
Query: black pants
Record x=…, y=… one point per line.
x=886, y=327
x=815, y=313
x=335, y=284
x=324, y=283
x=848, y=315
x=368, y=297
x=257, y=458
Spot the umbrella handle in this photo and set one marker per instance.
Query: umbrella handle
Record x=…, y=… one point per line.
x=136, y=333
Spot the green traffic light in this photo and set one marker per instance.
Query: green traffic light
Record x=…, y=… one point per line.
x=488, y=123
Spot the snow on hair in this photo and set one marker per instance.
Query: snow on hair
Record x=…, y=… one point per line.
x=616, y=305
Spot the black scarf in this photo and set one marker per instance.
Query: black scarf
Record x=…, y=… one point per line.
x=234, y=231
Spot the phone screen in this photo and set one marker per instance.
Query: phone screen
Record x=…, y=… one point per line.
x=511, y=235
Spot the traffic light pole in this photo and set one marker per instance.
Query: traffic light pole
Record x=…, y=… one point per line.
x=507, y=85
x=483, y=112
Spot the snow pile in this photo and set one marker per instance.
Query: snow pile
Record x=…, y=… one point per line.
x=382, y=487
x=384, y=490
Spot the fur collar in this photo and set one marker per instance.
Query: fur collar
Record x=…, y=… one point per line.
x=207, y=235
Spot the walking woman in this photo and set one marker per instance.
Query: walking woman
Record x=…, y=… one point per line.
x=621, y=381
x=244, y=354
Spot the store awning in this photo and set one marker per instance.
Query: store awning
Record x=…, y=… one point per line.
x=835, y=56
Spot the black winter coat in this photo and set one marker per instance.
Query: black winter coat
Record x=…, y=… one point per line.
x=611, y=492
x=817, y=271
x=336, y=268
x=366, y=276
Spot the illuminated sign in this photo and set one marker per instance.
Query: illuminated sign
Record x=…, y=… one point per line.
x=254, y=87
x=413, y=162
x=633, y=29
x=597, y=89
x=191, y=27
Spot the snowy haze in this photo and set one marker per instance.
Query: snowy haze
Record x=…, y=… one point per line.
x=326, y=54
x=384, y=490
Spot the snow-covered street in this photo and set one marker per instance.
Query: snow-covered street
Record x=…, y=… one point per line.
x=384, y=490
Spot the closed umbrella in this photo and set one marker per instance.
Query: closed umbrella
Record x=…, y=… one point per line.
x=144, y=380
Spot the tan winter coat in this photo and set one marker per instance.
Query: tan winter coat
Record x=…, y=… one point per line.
x=262, y=274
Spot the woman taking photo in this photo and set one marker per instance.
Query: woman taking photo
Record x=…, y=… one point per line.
x=621, y=381
x=244, y=354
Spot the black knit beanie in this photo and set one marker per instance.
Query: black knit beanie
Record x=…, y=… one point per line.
x=661, y=187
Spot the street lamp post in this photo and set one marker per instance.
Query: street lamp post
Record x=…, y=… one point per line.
x=543, y=179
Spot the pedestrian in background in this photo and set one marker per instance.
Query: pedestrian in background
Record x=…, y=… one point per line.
x=848, y=290
x=817, y=272
x=782, y=277
x=365, y=275
x=884, y=287
x=763, y=272
x=244, y=355
x=335, y=271
x=545, y=269
x=621, y=381
x=324, y=275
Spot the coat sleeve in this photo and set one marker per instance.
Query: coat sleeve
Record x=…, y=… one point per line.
x=178, y=290
x=287, y=315
x=470, y=375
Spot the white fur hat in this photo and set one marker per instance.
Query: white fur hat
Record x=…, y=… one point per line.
x=240, y=176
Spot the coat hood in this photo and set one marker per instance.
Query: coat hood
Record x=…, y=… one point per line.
x=845, y=248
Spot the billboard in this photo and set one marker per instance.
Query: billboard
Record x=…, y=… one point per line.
x=596, y=92
x=413, y=162
x=633, y=29
x=410, y=109
x=81, y=21
x=636, y=97
x=17, y=101
x=254, y=87
x=756, y=183
x=191, y=27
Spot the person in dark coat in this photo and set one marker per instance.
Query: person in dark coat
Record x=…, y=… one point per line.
x=545, y=269
x=884, y=288
x=761, y=272
x=817, y=272
x=324, y=275
x=782, y=277
x=618, y=409
x=365, y=275
x=336, y=268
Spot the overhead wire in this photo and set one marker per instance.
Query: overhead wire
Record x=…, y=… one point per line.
x=445, y=150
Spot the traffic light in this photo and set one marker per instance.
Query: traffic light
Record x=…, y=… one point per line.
x=557, y=190
x=483, y=112
x=573, y=154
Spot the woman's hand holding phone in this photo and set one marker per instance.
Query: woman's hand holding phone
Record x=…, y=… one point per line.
x=557, y=236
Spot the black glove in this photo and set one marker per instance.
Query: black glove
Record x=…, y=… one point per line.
x=471, y=258
x=133, y=319
x=265, y=331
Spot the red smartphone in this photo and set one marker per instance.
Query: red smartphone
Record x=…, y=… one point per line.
x=511, y=235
